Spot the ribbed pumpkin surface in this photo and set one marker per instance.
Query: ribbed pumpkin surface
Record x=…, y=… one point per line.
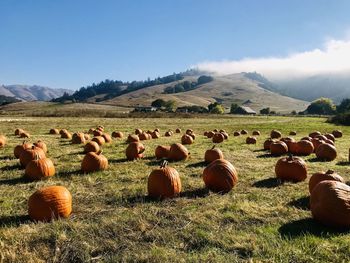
x=49, y=203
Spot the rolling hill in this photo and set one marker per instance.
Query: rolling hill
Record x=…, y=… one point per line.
x=31, y=93
x=235, y=88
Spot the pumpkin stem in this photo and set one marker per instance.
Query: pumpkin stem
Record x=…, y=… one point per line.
x=36, y=157
x=163, y=164
x=99, y=152
x=213, y=147
x=290, y=156
x=330, y=171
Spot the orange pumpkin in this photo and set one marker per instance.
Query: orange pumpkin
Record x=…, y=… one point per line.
x=305, y=147
x=306, y=138
x=178, y=130
x=337, y=133
x=292, y=147
x=107, y=137
x=18, y=131
x=93, y=162
x=326, y=152
x=186, y=139
x=19, y=148
x=54, y=131
x=330, y=204
x=278, y=148
x=162, y=151
x=316, y=142
x=256, y=133
x=66, y=135
x=251, y=140
x=267, y=143
x=78, y=138
x=320, y=177
x=220, y=176
x=291, y=169
x=293, y=133
x=41, y=145
x=97, y=132
x=30, y=154
x=178, y=152
x=210, y=134
x=168, y=134
x=236, y=133
x=91, y=147
x=275, y=134
x=218, y=138
x=49, y=203
x=164, y=182
x=132, y=138
x=244, y=132
x=213, y=154
x=99, y=139
x=117, y=134
x=330, y=136
x=155, y=135
x=314, y=134
x=134, y=151
x=138, y=131
x=143, y=136
x=39, y=169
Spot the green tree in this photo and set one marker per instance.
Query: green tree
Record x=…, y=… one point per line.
x=265, y=111
x=344, y=106
x=217, y=109
x=170, y=105
x=321, y=106
x=179, y=88
x=234, y=107
x=158, y=103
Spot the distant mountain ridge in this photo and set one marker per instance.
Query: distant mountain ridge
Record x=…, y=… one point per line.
x=32, y=93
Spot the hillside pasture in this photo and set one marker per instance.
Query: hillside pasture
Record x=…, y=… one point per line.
x=113, y=220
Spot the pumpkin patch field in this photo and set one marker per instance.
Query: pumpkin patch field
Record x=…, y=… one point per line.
x=156, y=190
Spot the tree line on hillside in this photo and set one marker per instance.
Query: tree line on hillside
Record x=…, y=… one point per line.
x=187, y=85
x=115, y=88
x=4, y=100
x=170, y=106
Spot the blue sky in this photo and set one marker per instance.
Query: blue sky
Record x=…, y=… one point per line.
x=69, y=44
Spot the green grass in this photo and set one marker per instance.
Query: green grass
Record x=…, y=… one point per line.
x=113, y=220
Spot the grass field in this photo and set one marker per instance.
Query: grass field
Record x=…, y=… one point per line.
x=260, y=220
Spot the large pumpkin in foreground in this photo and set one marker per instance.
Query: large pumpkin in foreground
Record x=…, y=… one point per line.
x=330, y=175
x=291, y=169
x=330, y=204
x=49, y=203
x=220, y=176
x=164, y=182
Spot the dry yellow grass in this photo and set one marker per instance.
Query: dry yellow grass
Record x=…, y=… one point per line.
x=113, y=220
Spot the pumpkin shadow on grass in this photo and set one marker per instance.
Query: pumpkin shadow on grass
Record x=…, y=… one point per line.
x=8, y=221
x=314, y=160
x=308, y=226
x=302, y=203
x=14, y=181
x=123, y=160
x=343, y=163
x=271, y=182
x=266, y=155
x=70, y=173
x=11, y=167
x=195, y=193
x=7, y=157
x=196, y=165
